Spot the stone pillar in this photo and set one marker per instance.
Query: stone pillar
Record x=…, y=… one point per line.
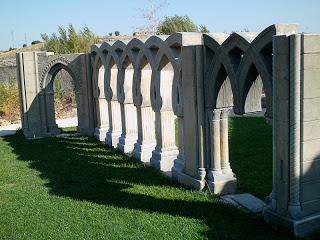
x=166, y=151
x=115, y=125
x=52, y=126
x=221, y=179
x=146, y=134
x=179, y=163
x=294, y=201
x=224, y=143
x=29, y=92
x=214, y=123
x=129, y=128
x=102, y=117
x=193, y=174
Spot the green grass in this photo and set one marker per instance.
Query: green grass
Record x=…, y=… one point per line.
x=69, y=130
x=76, y=188
x=250, y=149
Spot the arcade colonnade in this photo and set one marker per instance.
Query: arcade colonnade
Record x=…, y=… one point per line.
x=131, y=94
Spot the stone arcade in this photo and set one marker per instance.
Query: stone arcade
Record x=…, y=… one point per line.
x=129, y=96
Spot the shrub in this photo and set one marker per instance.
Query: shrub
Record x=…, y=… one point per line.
x=24, y=45
x=69, y=40
x=9, y=102
x=177, y=23
x=117, y=33
x=35, y=42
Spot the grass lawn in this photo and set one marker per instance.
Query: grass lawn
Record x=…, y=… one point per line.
x=76, y=188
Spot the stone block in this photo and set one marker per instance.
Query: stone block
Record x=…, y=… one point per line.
x=311, y=109
x=311, y=150
x=311, y=170
x=311, y=83
x=310, y=43
x=311, y=61
x=310, y=191
x=311, y=130
x=247, y=201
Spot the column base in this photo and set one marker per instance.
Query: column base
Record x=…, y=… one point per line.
x=126, y=143
x=143, y=152
x=53, y=130
x=112, y=139
x=189, y=181
x=178, y=166
x=32, y=135
x=164, y=160
x=222, y=183
x=100, y=134
x=301, y=228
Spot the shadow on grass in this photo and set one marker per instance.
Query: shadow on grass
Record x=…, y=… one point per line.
x=82, y=169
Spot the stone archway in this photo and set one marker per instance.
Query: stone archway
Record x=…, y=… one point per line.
x=47, y=99
x=36, y=73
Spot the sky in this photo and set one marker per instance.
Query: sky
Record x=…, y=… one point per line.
x=22, y=21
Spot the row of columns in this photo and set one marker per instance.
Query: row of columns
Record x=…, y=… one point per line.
x=221, y=179
x=139, y=130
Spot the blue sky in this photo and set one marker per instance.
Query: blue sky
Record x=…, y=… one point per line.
x=32, y=17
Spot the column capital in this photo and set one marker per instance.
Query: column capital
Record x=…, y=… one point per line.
x=214, y=115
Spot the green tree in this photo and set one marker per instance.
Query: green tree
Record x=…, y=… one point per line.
x=179, y=24
x=68, y=40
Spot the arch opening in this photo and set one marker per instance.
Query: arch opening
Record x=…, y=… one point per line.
x=60, y=101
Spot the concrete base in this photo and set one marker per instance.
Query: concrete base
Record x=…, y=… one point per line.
x=164, y=160
x=245, y=201
x=143, y=152
x=100, y=134
x=222, y=183
x=188, y=181
x=300, y=228
x=112, y=139
x=126, y=143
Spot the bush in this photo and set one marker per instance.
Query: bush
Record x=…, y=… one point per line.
x=35, y=42
x=69, y=40
x=117, y=33
x=9, y=102
x=177, y=23
x=24, y=45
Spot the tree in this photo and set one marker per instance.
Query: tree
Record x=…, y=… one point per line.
x=203, y=29
x=152, y=16
x=69, y=40
x=177, y=23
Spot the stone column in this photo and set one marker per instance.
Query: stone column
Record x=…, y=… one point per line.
x=224, y=142
x=52, y=126
x=115, y=125
x=179, y=162
x=129, y=128
x=221, y=179
x=214, y=123
x=294, y=202
x=166, y=151
x=102, y=119
x=146, y=134
x=294, y=136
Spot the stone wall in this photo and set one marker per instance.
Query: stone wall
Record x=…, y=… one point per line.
x=8, y=74
x=8, y=71
x=131, y=94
